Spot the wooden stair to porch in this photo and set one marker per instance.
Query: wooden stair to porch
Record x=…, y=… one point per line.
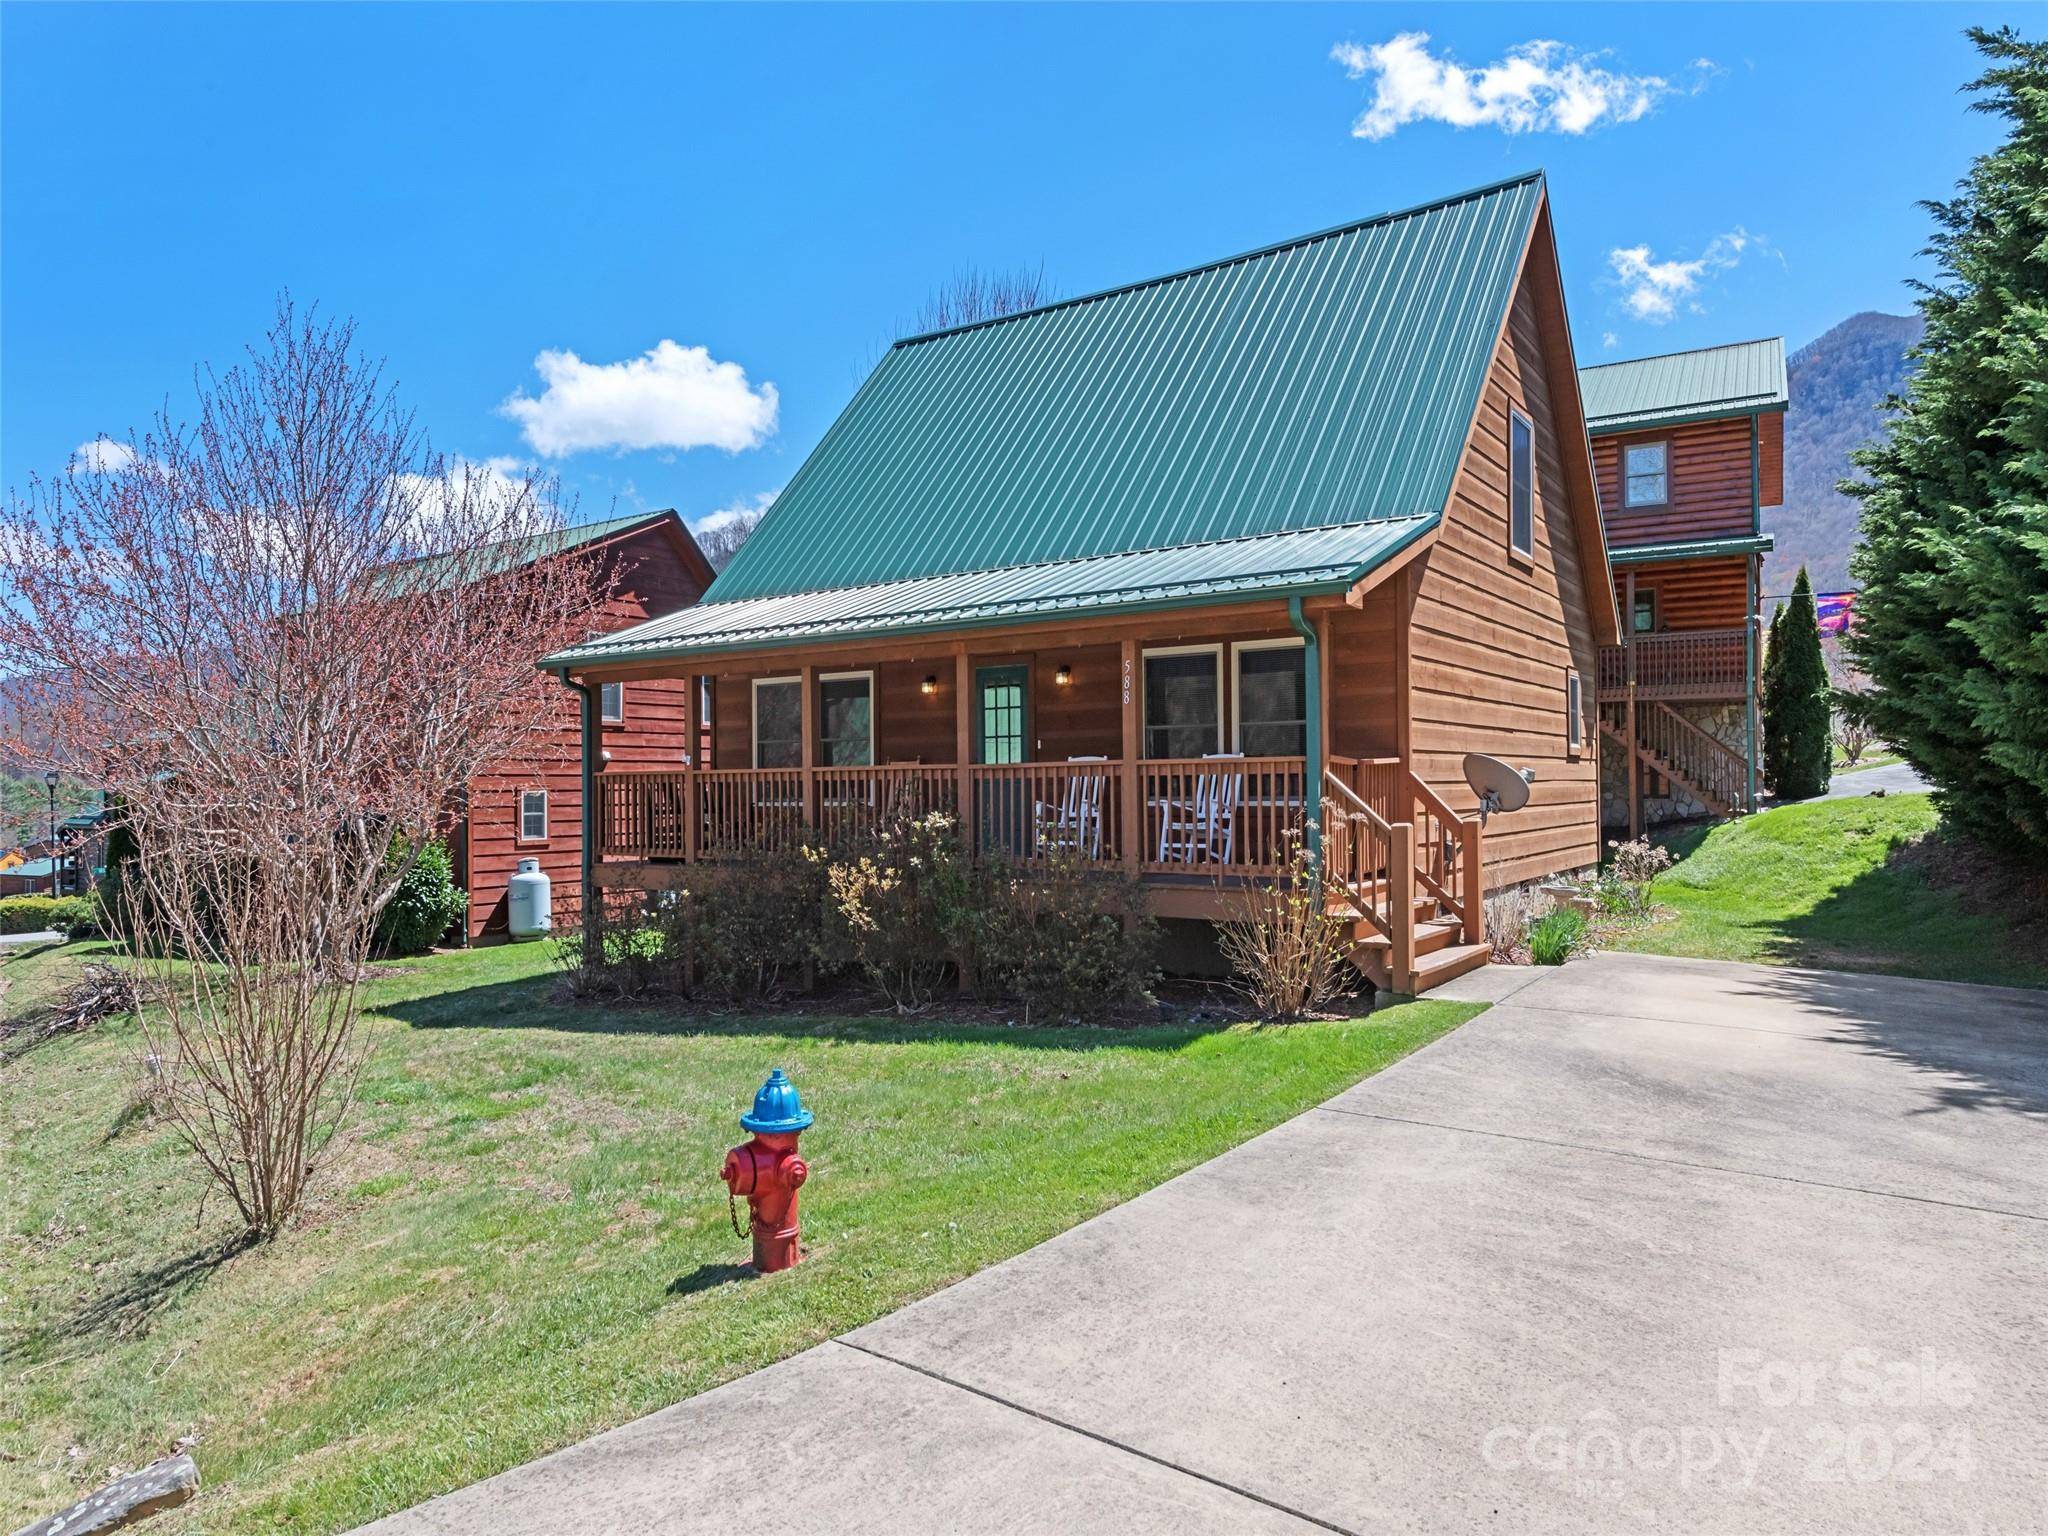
x=1670, y=745
x=1402, y=886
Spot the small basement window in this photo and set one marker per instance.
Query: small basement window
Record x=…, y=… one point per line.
x=533, y=815
x=1645, y=478
x=1521, y=485
x=612, y=703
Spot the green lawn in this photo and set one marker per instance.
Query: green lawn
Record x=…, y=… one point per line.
x=526, y=1240
x=1819, y=884
x=1867, y=760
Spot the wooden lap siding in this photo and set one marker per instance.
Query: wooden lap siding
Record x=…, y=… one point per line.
x=1708, y=593
x=1492, y=634
x=653, y=580
x=1707, y=465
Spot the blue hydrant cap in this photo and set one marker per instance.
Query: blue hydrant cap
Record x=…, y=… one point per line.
x=776, y=1107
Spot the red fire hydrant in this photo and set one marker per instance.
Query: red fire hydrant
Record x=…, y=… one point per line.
x=769, y=1173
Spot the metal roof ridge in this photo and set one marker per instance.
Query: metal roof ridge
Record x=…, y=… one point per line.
x=1272, y=248
x=1658, y=357
x=1038, y=565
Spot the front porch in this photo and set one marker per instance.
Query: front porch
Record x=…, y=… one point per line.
x=1188, y=753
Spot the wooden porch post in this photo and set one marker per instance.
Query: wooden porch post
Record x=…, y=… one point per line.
x=1401, y=903
x=692, y=746
x=1751, y=667
x=1628, y=648
x=963, y=741
x=1133, y=748
x=810, y=743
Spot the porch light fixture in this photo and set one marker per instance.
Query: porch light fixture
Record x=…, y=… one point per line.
x=1063, y=676
x=929, y=685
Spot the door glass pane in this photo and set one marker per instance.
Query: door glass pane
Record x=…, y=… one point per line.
x=846, y=723
x=1272, y=702
x=779, y=724
x=1180, y=706
x=1000, y=714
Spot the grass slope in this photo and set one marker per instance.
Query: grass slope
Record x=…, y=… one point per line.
x=526, y=1240
x=1820, y=884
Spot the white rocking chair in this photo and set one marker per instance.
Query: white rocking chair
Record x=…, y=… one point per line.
x=1075, y=824
x=1204, y=829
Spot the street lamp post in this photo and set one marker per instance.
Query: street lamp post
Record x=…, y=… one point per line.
x=50, y=779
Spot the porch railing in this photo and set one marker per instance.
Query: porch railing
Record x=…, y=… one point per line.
x=1678, y=664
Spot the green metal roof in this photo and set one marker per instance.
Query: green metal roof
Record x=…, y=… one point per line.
x=1740, y=378
x=1327, y=380
x=1689, y=549
x=1299, y=562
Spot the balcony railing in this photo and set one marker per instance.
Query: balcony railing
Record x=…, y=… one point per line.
x=1222, y=815
x=1678, y=664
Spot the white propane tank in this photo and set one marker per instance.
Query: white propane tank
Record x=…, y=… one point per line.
x=529, y=902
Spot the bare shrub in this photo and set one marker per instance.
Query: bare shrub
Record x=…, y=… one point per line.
x=1853, y=737
x=1286, y=950
x=1509, y=912
x=282, y=638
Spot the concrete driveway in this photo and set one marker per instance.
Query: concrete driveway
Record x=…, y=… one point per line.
x=1653, y=1244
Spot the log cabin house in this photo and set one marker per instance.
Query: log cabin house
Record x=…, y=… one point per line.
x=533, y=807
x=1688, y=450
x=1154, y=575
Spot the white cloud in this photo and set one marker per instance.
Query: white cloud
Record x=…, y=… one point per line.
x=746, y=509
x=1652, y=290
x=1538, y=87
x=1609, y=339
x=502, y=499
x=101, y=456
x=670, y=397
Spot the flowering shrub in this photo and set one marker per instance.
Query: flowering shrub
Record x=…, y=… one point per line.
x=905, y=900
x=1633, y=866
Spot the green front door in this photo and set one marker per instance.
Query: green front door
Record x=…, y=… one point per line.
x=1002, y=722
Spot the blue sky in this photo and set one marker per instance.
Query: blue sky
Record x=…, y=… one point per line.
x=709, y=221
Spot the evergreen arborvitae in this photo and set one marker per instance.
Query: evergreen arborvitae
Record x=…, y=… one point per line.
x=1952, y=623
x=1799, y=744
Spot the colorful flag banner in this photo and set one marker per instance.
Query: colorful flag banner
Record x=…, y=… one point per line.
x=1833, y=610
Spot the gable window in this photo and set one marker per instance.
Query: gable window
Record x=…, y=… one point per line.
x=1574, y=707
x=533, y=815
x=846, y=719
x=778, y=722
x=612, y=702
x=1184, y=701
x=1646, y=611
x=1272, y=698
x=1644, y=480
x=1521, y=484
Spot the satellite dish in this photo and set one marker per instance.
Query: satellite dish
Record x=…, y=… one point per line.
x=1500, y=786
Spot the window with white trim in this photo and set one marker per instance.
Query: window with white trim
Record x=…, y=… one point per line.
x=1184, y=701
x=778, y=722
x=611, y=705
x=1574, y=705
x=1645, y=475
x=1521, y=484
x=1272, y=698
x=533, y=815
x=846, y=719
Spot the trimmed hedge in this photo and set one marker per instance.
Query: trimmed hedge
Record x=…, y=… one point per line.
x=72, y=916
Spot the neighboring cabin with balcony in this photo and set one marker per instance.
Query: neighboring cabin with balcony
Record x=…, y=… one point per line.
x=1154, y=576
x=1688, y=449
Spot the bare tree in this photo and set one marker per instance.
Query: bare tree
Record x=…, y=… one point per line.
x=970, y=295
x=721, y=540
x=282, y=638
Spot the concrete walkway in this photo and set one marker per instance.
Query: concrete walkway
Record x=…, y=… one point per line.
x=1652, y=1244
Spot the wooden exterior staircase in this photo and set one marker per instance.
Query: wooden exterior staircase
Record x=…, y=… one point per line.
x=1413, y=888
x=1672, y=747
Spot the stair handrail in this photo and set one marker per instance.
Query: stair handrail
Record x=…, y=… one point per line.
x=1708, y=737
x=1464, y=893
x=1348, y=859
